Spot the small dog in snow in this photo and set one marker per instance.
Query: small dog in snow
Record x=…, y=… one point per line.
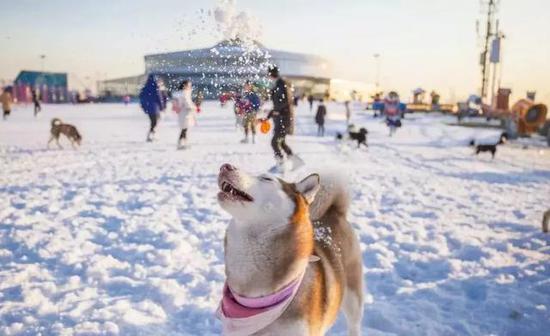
x=58, y=128
x=360, y=137
x=292, y=260
x=492, y=148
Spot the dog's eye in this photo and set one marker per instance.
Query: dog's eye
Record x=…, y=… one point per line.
x=265, y=178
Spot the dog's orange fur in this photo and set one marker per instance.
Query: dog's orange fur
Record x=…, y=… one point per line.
x=314, y=306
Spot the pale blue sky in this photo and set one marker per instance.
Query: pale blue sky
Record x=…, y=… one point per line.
x=427, y=43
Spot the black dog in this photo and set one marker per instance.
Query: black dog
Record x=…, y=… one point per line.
x=360, y=137
x=490, y=148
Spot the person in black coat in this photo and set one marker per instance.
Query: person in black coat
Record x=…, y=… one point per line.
x=310, y=100
x=36, y=101
x=283, y=122
x=320, y=118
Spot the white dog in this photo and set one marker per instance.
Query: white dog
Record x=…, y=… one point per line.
x=288, y=274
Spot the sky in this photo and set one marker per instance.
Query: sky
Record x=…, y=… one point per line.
x=431, y=44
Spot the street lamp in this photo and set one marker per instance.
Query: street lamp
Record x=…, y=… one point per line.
x=42, y=58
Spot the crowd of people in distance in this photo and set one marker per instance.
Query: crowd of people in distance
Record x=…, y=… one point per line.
x=154, y=99
x=246, y=106
x=7, y=100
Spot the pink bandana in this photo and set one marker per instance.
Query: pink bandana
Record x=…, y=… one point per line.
x=242, y=316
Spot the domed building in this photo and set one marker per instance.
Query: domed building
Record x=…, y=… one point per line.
x=225, y=67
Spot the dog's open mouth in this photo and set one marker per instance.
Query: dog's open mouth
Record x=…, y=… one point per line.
x=229, y=191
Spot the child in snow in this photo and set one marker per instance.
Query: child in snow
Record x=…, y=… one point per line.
x=7, y=100
x=320, y=118
x=183, y=105
x=250, y=108
x=238, y=109
x=198, y=101
x=393, y=109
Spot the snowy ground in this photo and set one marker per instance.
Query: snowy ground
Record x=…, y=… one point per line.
x=125, y=237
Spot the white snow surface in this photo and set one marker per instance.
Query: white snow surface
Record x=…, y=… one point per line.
x=124, y=237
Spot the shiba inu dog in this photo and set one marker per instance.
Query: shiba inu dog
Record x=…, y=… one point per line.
x=292, y=260
x=58, y=128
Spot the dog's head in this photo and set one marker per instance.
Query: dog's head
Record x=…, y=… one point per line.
x=503, y=138
x=56, y=122
x=250, y=198
x=77, y=138
x=363, y=130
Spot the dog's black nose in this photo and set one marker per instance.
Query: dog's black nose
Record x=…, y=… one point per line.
x=227, y=167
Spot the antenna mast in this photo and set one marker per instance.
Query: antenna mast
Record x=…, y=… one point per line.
x=484, y=55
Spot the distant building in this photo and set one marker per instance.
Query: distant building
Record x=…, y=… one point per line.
x=120, y=87
x=225, y=67
x=51, y=86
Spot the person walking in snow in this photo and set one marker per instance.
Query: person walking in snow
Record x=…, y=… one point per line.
x=152, y=103
x=283, y=122
x=36, y=101
x=310, y=100
x=250, y=104
x=198, y=101
x=184, y=106
x=6, y=99
x=320, y=118
x=393, y=109
x=348, y=112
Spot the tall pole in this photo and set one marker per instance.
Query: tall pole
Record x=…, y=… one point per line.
x=495, y=65
x=493, y=85
x=488, y=34
x=42, y=58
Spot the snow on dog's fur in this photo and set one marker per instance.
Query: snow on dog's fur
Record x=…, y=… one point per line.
x=278, y=228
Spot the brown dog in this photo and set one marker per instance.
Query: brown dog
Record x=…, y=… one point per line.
x=58, y=128
x=292, y=260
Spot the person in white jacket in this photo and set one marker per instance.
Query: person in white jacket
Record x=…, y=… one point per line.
x=183, y=105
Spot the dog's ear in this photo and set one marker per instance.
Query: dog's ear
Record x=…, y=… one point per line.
x=309, y=187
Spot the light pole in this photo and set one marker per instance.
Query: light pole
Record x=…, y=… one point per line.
x=377, y=61
x=42, y=60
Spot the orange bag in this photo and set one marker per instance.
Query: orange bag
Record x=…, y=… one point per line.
x=265, y=126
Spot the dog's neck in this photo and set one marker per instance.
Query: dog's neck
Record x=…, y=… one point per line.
x=261, y=258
